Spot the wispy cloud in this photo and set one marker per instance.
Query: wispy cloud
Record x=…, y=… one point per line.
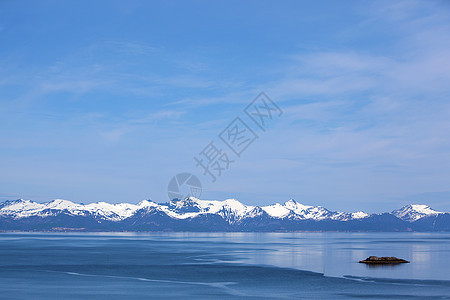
x=365, y=101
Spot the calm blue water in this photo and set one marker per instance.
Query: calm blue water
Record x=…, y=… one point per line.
x=222, y=265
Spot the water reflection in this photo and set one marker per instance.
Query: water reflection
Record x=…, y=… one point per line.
x=382, y=266
x=335, y=254
x=338, y=254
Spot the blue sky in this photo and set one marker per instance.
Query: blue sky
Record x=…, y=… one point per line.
x=107, y=100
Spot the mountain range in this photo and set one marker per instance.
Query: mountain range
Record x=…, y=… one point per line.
x=192, y=214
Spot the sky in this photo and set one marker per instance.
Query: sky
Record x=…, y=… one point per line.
x=108, y=100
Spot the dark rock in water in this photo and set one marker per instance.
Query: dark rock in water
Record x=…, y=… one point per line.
x=383, y=260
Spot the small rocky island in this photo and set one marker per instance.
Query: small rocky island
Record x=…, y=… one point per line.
x=383, y=260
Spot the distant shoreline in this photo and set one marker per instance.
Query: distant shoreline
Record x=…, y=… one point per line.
x=195, y=215
x=167, y=231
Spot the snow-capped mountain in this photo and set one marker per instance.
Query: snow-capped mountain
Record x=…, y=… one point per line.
x=298, y=211
x=414, y=212
x=230, y=210
x=20, y=209
x=192, y=214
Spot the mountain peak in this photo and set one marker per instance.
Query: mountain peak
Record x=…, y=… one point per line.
x=20, y=201
x=233, y=202
x=146, y=203
x=291, y=201
x=413, y=212
x=229, y=214
x=61, y=204
x=296, y=206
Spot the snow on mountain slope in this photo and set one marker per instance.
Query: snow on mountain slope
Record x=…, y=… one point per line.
x=299, y=211
x=276, y=210
x=230, y=210
x=414, y=212
x=233, y=210
x=310, y=212
x=297, y=207
x=26, y=208
x=115, y=212
x=20, y=208
x=359, y=215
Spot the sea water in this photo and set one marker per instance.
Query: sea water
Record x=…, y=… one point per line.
x=222, y=266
